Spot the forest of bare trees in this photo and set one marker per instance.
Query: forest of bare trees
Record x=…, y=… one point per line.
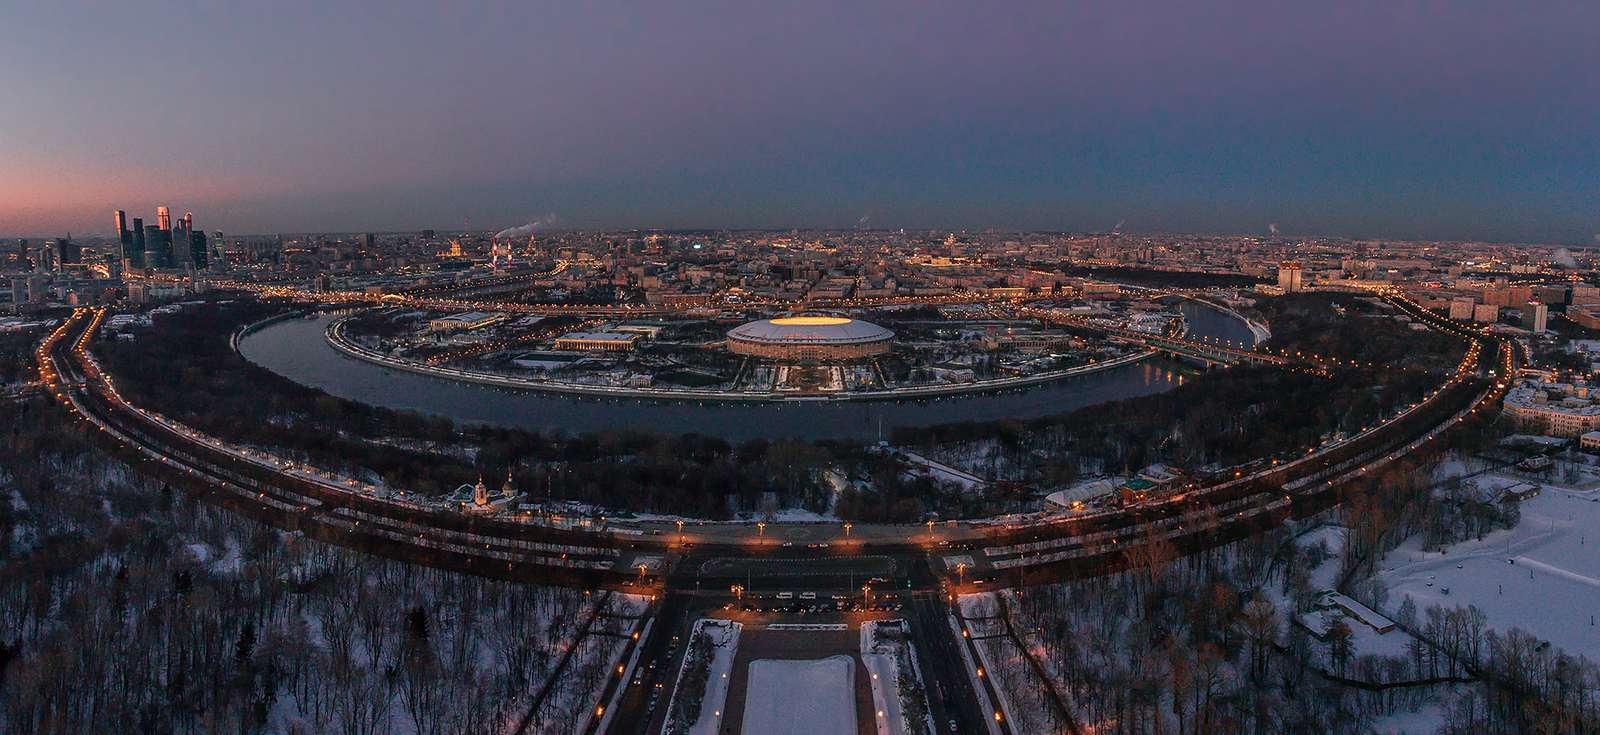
x=129, y=608
x=1209, y=644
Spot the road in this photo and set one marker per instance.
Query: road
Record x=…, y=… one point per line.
x=1021, y=551
x=917, y=563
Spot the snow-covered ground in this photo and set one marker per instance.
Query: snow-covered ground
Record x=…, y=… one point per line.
x=945, y=472
x=1020, y=692
x=724, y=645
x=882, y=655
x=805, y=697
x=1542, y=576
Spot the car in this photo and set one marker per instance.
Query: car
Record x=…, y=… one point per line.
x=953, y=726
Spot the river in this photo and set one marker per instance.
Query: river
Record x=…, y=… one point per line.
x=296, y=350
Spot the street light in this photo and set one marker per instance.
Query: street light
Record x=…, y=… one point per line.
x=847, y=530
x=761, y=532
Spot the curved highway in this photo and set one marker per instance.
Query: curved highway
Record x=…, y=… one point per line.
x=714, y=556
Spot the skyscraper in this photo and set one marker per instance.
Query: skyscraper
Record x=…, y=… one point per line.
x=180, y=243
x=125, y=242
x=66, y=252
x=136, y=252
x=163, y=218
x=197, y=246
x=157, y=247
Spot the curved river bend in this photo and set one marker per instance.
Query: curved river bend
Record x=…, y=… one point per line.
x=296, y=350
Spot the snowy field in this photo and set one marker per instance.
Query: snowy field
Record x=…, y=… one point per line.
x=815, y=697
x=1542, y=576
x=941, y=471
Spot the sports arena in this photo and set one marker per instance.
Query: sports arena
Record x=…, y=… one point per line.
x=810, y=338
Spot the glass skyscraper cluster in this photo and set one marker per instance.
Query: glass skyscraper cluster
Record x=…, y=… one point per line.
x=164, y=245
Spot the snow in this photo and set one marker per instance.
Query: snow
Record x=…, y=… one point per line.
x=1550, y=441
x=1542, y=576
x=232, y=562
x=801, y=697
x=945, y=472
x=882, y=662
x=1426, y=720
x=627, y=674
x=980, y=612
x=200, y=552
x=1326, y=575
x=1081, y=491
x=972, y=675
x=725, y=644
x=800, y=515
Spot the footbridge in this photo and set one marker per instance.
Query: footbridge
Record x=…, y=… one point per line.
x=1207, y=352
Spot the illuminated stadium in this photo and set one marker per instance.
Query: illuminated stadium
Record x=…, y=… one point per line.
x=810, y=338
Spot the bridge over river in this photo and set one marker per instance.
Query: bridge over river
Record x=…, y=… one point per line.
x=523, y=546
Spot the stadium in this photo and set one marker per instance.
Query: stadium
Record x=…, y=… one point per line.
x=810, y=338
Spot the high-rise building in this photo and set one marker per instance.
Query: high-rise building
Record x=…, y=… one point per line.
x=124, y=241
x=157, y=247
x=66, y=252
x=179, y=257
x=38, y=290
x=1289, y=276
x=217, y=243
x=197, y=247
x=1539, y=316
x=136, y=251
x=163, y=218
x=42, y=262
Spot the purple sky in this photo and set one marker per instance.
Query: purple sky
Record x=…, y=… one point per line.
x=1363, y=118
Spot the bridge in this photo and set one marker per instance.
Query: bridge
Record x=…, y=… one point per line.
x=1211, y=354
x=525, y=547
x=916, y=564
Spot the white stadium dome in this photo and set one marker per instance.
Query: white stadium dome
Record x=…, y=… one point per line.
x=810, y=337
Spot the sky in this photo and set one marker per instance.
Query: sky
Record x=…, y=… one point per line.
x=1358, y=118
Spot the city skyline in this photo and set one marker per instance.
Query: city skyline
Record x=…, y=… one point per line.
x=1362, y=120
